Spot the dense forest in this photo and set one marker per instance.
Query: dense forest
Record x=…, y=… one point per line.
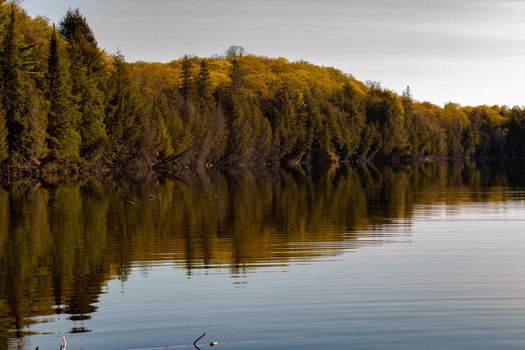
x=66, y=107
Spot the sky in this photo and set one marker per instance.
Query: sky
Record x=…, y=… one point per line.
x=467, y=51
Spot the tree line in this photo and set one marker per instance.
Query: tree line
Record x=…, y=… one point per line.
x=67, y=106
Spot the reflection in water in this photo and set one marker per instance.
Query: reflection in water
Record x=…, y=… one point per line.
x=60, y=246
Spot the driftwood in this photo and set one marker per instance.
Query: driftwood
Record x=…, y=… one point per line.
x=196, y=340
x=171, y=159
x=64, y=344
x=213, y=343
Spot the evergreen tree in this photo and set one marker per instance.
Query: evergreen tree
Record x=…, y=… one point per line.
x=75, y=29
x=516, y=134
x=3, y=137
x=63, y=139
x=414, y=139
x=3, y=21
x=288, y=119
x=384, y=108
x=240, y=119
x=350, y=120
x=204, y=82
x=456, y=121
x=237, y=109
x=88, y=79
x=123, y=120
x=186, y=87
x=12, y=94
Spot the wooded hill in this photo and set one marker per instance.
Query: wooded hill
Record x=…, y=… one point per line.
x=67, y=106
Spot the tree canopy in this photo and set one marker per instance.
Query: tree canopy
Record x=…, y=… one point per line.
x=66, y=105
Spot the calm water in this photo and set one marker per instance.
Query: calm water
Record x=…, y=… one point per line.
x=418, y=257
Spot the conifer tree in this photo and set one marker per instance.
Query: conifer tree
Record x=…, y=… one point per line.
x=88, y=77
x=123, y=120
x=204, y=82
x=240, y=119
x=11, y=94
x=2, y=22
x=3, y=137
x=414, y=147
x=186, y=88
x=63, y=139
x=75, y=29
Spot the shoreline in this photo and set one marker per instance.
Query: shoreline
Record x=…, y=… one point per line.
x=122, y=173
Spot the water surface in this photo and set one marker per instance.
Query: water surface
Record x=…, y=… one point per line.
x=422, y=256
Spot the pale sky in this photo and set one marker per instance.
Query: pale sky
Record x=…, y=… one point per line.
x=466, y=51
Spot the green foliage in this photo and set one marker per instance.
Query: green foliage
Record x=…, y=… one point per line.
x=187, y=85
x=123, y=120
x=515, y=147
x=12, y=94
x=62, y=246
x=63, y=139
x=385, y=108
x=88, y=78
x=63, y=101
x=3, y=137
x=75, y=29
x=204, y=83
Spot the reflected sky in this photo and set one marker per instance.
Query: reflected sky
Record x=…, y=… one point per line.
x=423, y=255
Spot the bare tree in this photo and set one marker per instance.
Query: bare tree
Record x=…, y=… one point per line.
x=235, y=51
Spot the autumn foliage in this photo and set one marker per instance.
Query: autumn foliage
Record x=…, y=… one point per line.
x=67, y=106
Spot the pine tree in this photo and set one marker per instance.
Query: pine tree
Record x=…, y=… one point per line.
x=186, y=88
x=11, y=94
x=123, y=120
x=241, y=119
x=3, y=137
x=63, y=139
x=385, y=108
x=414, y=147
x=204, y=82
x=2, y=21
x=3, y=129
x=75, y=29
x=88, y=77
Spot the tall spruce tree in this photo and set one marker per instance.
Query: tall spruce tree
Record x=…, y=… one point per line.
x=3, y=129
x=204, y=81
x=186, y=87
x=88, y=78
x=3, y=137
x=123, y=120
x=63, y=139
x=11, y=94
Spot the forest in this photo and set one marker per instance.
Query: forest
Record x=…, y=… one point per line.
x=68, y=107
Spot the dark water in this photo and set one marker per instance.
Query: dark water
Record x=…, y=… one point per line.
x=418, y=257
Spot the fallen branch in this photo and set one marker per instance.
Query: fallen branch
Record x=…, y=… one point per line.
x=196, y=340
x=64, y=344
x=170, y=159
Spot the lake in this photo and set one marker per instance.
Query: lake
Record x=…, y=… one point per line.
x=413, y=257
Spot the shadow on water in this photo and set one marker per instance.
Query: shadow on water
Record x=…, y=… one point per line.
x=60, y=245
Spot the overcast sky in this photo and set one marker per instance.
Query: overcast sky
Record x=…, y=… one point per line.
x=466, y=51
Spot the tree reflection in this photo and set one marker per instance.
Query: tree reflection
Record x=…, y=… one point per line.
x=60, y=245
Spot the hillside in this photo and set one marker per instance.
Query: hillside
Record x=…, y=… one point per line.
x=66, y=106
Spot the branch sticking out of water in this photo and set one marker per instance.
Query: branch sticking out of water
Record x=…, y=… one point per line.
x=196, y=340
x=64, y=344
